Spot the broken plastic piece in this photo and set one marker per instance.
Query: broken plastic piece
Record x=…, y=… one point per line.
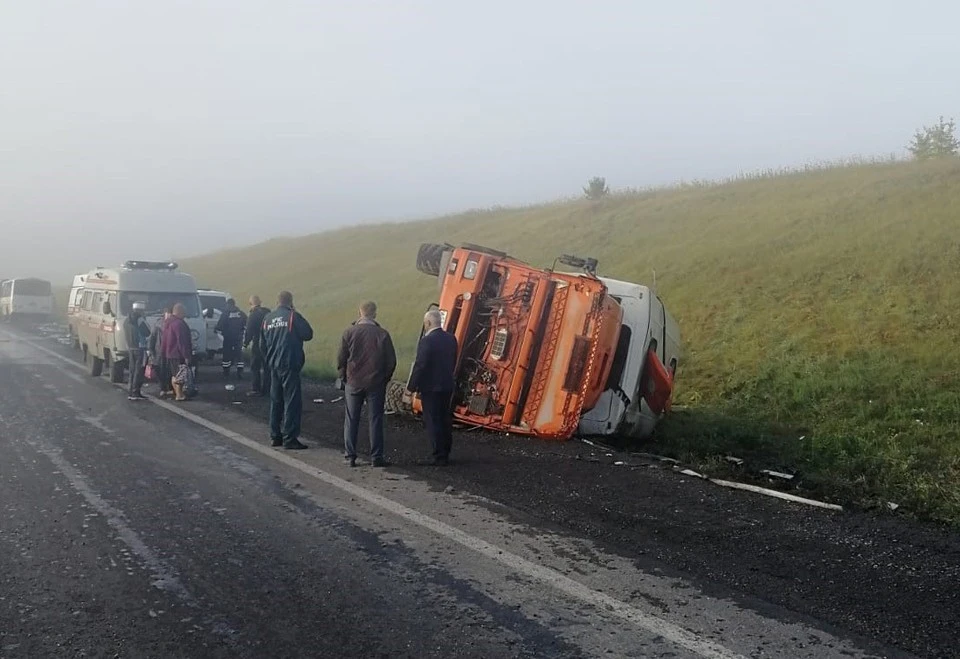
x=777, y=474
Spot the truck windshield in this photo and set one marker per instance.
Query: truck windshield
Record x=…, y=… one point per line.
x=157, y=302
x=35, y=287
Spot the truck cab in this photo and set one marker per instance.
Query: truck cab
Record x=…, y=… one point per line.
x=549, y=353
x=636, y=393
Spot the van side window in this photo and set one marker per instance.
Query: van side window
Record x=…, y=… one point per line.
x=5, y=289
x=87, y=300
x=112, y=299
x=98, y=302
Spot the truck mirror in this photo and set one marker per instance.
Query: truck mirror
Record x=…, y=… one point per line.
x=107, y=311
x=208, y=313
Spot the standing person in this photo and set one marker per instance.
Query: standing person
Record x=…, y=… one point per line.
x=282, y=334
x=155, y=351
x=432, y=377
x=177, y=347
x=231, y=326
x=137, y=334
x=261, y=374
x=366, y=363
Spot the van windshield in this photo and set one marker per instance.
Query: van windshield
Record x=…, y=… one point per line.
x=37, y=287
x=157, y=302
x=217, y=302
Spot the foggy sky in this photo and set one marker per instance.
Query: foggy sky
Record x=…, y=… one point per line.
x=132, y=129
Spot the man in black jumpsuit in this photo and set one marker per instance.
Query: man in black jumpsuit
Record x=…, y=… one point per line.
x=261, y=374
x=281, y=341
x=231, y=325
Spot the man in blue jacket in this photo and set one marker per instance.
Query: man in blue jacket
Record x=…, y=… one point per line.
x=281, y=342
x=433, y=378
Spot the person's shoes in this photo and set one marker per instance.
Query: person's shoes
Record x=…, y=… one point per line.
x=140, y=396
x=438, y=462
x=294, y=445
x=136, y=397
x=350, y=461
x=380, y=462
x=276, y=442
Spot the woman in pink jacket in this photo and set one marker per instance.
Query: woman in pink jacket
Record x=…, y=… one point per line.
x=176, y=345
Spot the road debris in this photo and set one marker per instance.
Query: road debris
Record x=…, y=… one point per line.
x=318, y=400
x=337, y=400
x=733, y=460
x=777, y=474
x=775, y=493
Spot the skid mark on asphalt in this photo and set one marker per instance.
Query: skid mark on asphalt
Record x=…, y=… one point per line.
x=657, y=627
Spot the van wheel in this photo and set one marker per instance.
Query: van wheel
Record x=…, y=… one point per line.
x=116, y=372
x=429, y=258
x=96, y=366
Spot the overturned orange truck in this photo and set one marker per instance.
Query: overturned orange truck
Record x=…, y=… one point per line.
x=548, y=353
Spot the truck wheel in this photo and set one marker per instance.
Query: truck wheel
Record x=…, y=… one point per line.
x=429, y=257
x=395, y=391
x=96, y=366
x=116, y=372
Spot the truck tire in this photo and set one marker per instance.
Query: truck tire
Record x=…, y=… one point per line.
x=395, y=391
x=116, y=372
x=429, y=257
x=96, y=366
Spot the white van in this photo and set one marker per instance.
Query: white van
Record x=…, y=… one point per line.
x=647, y=329
x=108, y=297
x=26, y=298
x=73, y=308
x=212, y=304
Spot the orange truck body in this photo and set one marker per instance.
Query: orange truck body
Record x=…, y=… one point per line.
x=535, y=346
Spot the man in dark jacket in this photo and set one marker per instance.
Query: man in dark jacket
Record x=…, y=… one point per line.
x=231, y=325
x=137, y=334
x=433, y=378
x=261, y=374
x=282, y=334
x=155, y=352
x=366, y=363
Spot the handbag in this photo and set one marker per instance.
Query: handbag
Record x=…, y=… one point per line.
x=149, y=372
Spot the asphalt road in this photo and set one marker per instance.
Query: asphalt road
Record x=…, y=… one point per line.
x=158, y=530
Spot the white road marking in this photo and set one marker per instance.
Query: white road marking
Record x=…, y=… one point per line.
x=164, y=577
x=652, y=624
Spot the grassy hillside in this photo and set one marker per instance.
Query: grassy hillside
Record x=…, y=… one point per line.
x=820, y=310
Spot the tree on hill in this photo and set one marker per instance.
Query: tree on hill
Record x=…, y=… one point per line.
x=937, y=141
x=596, y=188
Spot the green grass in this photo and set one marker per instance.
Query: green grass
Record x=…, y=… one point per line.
x=822, y=304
